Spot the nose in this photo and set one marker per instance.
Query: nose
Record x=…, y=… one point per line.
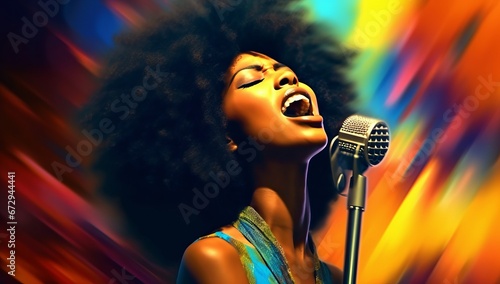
x=284, y=78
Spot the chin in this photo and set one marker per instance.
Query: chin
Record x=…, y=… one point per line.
x=315, y=141
x=316, y=136
x=300, y=148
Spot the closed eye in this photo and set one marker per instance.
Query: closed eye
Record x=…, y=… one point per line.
x=247, y=85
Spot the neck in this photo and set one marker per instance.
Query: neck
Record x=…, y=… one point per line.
x=280, y=198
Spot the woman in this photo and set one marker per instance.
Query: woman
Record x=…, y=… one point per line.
x=224, y=122
x=271, y=237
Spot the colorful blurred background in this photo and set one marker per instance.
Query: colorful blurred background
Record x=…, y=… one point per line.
x=431, y=69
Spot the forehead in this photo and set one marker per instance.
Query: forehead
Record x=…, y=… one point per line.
x=246, y=59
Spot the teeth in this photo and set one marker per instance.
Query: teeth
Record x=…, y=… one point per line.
x=304, y=107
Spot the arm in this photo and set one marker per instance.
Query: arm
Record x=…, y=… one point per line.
x=211, y=260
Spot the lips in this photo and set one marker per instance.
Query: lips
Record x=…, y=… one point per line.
x=296, y=103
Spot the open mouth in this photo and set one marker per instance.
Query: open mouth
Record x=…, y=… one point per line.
x=296, y=104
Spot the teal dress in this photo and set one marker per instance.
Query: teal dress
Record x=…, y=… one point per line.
x=265, y=261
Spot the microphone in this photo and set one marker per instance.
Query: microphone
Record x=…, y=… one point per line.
x=362, y=142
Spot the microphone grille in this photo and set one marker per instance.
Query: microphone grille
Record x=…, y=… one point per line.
x=357, y=124
x=378, y=143
x=370, y=133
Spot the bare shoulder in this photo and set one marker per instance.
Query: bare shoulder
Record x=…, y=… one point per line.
x=336, y=272
x=211, y=260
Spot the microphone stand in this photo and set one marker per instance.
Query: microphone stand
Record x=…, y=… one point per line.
x=356, y=200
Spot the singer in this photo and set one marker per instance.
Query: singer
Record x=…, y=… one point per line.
x=223, y=159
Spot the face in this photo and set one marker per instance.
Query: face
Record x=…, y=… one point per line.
x=266, y=99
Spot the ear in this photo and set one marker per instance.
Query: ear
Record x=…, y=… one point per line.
x=231, y=146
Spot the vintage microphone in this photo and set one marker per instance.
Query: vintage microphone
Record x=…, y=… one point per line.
x=362, y=142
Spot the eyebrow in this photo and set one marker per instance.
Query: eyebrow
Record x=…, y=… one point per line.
x=257, y=67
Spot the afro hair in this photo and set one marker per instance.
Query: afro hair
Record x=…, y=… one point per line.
x=161, y=99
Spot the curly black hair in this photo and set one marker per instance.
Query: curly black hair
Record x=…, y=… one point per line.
x=160, y=104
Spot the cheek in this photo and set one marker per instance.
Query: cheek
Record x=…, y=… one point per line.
x=249, y=109
x=257, y=118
